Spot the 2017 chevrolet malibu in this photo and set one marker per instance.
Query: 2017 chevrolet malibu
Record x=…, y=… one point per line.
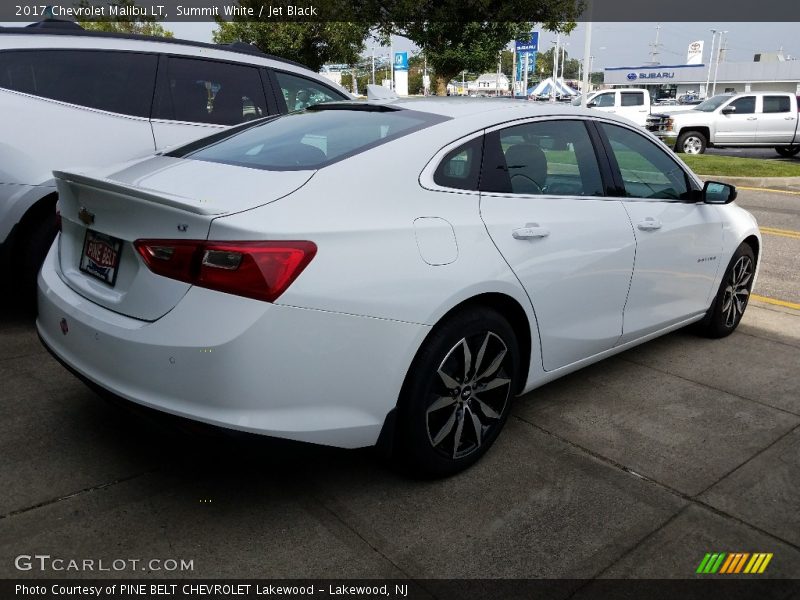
x=386, y=272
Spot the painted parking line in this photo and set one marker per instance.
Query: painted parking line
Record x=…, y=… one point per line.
x=790, y=233
x=775, y=301
x=771, y=190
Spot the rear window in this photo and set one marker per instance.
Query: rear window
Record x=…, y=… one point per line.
x=311, y=139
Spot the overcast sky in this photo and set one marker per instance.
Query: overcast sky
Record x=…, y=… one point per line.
x=627, y=44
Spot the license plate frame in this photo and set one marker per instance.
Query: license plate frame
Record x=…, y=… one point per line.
x=100, y=256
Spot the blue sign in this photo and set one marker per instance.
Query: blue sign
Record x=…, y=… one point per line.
x=632, y=77
x=528, y=46
x=401, y=61
x=651, y=75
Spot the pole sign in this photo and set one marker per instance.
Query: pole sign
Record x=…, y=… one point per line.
x=531, y=45
x=401, y=61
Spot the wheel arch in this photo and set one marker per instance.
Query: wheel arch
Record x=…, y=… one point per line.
x=702, y=129
x=754, y=243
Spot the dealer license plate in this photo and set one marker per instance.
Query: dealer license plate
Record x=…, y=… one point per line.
x=100, y=256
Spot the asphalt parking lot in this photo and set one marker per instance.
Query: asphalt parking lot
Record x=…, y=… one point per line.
x=634, y=467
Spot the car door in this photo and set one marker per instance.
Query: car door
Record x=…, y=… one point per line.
x=572, y=249
x=738, y=126
x=632, y=106
x=776, y=120
x=197, y=97
x=678, y=240
x=605, y=101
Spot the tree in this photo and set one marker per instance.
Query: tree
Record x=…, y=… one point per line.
x=126, y=24
x=458, y=35
x=544, y=62
x=310, y=43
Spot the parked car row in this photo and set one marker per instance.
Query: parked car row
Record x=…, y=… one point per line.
x=212, y=260
x=70, y=97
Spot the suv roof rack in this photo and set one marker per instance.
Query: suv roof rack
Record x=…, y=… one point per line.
x=60, y=27
x=55, y=24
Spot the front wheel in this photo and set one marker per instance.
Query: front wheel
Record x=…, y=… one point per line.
x=692, y=142
x=787, y=151
x=731, y=300
x=457, y=394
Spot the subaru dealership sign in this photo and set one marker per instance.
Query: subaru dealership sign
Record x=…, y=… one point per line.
x=531, y=45
x=652, y=75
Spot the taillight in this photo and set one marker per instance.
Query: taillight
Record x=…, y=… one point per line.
x=260, y=270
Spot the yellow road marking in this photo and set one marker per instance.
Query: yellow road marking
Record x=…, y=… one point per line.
x=771, y=190
x=782, y=232
x=775, y=301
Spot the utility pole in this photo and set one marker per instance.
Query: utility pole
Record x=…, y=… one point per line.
x=525, y=75
x=555, y=68
x=710, y=62
x=720, y=50
x=655, y=46
x=587, y=48
x=373, y=64
x=514, y=71
x=391, y=61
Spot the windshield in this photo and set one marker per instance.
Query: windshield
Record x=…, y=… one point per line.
x=712, y=103
x=310, y=139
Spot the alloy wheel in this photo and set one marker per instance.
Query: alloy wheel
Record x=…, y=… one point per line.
x=737, y=291
x=469, y=396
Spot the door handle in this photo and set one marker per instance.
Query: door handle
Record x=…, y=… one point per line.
x=752, y=118
x=530, y=231
x=649, y=224
x=788, y=118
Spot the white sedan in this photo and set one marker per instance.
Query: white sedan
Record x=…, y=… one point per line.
x=387, y=273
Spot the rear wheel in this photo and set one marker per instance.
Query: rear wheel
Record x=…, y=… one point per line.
x=734, y=292
x=457, y=394
x=787, y=151
x=692, y=142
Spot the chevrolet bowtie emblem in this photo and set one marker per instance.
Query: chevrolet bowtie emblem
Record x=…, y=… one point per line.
x=85, y=215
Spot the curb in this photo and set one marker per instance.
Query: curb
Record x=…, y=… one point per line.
x=762, y=182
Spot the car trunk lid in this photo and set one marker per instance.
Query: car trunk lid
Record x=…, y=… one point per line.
x=103, y=214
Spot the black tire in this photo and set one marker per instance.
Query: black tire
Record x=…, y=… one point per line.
x=437, y=441
x=691, y=142
x=732, y=297
x=36, y=235
x=787, y=151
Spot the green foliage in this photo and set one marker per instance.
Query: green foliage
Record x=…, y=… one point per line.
x=544, y=63
x=123, y=24
x=310, y=43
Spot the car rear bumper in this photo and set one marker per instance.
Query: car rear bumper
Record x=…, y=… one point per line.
x=307, y=375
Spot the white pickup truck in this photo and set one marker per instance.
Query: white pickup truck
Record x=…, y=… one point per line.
x=631, y=103
x=747, y=120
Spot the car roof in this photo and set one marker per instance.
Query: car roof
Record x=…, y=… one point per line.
x=462, y=107
x=68, y=28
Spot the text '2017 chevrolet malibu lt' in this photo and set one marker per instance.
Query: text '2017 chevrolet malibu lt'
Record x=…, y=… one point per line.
x=397, y=270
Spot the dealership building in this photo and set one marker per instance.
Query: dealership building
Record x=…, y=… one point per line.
x=768, y=72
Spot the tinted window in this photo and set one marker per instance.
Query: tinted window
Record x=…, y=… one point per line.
x=299, y=92
x=202, y=91
x=310, y=139
x=744, y=106
x=777, y=104
x=120, y=82
x=647, y=170
x=603, y=100
x=461, y=167
x=548, y=157
x=632, y=99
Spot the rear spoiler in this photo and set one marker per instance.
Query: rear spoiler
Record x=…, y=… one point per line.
x=191, y=205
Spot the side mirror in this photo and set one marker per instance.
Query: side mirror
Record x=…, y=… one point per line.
x=591, y=104
x=728, y=110
x=715, y=192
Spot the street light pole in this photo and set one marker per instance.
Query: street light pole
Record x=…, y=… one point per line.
x=719, y=54
x=587, y=48
x=710, y=62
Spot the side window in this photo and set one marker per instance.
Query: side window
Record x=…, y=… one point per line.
x=777, y=104
x=632, y=99
x=203, y=91
x=461, y=167
x=604, y=100
x=647, y=170
x=300, y=92
x=120, y=82
x=546, y=157
x=745, y=105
